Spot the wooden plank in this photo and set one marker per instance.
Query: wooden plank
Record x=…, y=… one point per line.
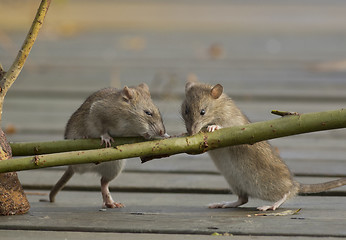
x=203, y=164
x=248, y=82
x=50, y=115
x=75, y=63
x=183, y=214
x=145, y=181
x=58, y=235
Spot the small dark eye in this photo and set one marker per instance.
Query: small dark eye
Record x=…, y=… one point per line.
x=186, y=111
x=148, y=113
x=202, y=112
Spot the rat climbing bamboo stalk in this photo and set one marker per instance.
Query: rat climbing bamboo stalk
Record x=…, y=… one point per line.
x=199, y=143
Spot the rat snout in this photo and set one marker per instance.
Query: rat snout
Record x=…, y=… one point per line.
x=156, y=131
x=194, y=129
x=163, y=134
x=160, y=136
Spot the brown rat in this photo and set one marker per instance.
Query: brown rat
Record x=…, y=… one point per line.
x=250, y=170
x=111, y=112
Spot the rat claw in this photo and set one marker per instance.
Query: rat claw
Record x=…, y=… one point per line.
x=241, y=200
x=107, y=140
x=224, y=205
x=275, y=205
x=113, y=205
x=216, y=205
x=265, y=208
x=212, y=128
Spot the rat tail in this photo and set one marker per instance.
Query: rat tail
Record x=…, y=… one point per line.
x=61, y=183
x=321, y=187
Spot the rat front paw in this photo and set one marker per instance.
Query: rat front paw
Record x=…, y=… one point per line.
x=107, y=140
x=212, y=128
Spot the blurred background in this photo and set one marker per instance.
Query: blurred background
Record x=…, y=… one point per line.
x=268, y=54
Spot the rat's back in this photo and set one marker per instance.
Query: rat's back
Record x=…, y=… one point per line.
x=76, y=126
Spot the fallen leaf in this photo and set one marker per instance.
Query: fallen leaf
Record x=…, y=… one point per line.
x=284, y=213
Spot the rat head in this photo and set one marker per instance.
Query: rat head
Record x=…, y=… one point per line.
x=142, y=116
x=201, y=105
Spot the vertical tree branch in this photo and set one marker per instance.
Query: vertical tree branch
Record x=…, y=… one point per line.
x=11, y=75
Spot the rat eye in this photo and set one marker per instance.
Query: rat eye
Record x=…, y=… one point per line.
x=202, y=112
x=148, y=113
x=186, y=111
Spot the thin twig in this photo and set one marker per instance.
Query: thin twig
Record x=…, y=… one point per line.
x=284, y=113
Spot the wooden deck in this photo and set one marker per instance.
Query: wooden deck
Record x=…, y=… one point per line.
x=271, y=55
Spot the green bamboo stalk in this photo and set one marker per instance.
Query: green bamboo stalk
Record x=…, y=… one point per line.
x=34, y=148
x=199, y=143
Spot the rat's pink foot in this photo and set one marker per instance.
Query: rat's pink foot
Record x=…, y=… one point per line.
x=275, y=205
x=223, y=205
x=108, y=201
x=113, y=205
x=239, y=202
x=212, y=128
x=107, y=140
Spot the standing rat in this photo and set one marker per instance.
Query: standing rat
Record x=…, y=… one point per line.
x=250, y=170
x=111, y=112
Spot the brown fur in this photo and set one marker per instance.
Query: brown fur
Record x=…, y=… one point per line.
x=250, y=170
x=118, y=112
x=111, y=112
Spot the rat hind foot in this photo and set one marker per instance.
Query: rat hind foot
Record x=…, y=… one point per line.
x=223, y=205
x=239, y=202
x=113, y=205
x=108, y=201
x=275, y=205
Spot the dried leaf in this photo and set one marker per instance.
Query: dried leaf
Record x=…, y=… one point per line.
x=284, y=213
x=221, y=234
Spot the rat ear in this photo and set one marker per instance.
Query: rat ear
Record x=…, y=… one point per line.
x=127, y=93
x=191, y=80
x=144, y=87
x=216, y=91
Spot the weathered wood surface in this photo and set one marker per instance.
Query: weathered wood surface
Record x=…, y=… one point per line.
x=128, y=236
x=191, y=182
x=273, y=55
x=180, y=214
